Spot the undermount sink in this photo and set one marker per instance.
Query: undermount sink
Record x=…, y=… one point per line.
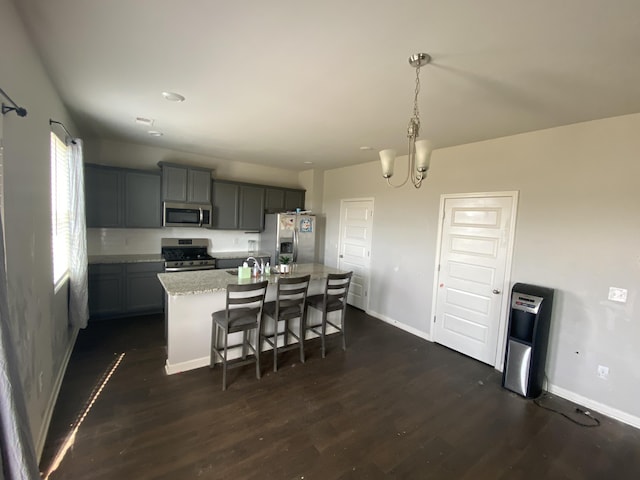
x=233, y=272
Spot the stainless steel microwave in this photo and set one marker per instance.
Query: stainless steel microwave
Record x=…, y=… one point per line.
x=186, y=215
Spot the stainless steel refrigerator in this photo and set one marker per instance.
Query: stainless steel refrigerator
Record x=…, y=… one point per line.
x=291, y=235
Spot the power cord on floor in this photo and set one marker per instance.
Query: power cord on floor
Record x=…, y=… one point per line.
x=578, y=410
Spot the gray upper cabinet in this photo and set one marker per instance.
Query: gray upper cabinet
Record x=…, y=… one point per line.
x=142, y=200
x=199, y=186
x=274, y=200
x=241, y=206
x=185, y=184
x=283, y=199
x=251, y=207
x=103, y=196
x=120, y=197
x=174, y=184
x=293, y=199
x=226, y=205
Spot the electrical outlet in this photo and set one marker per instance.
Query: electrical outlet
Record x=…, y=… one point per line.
x=618, y=294
x=603, y=372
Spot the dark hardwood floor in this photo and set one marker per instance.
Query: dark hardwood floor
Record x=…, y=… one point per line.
x=391, y=406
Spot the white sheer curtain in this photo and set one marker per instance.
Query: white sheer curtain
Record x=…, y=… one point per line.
x=78, y=262
x=18, y=458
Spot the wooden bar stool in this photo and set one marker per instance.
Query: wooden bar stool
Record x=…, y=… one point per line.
x=290, y=303
x=333, y=299
x=243, y=313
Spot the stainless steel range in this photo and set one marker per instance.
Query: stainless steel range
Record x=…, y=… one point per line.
x=185, y=254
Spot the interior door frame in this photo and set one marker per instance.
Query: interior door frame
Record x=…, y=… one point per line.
x=498, y=362
x=340, y=240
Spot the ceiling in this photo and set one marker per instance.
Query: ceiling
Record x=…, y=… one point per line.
x=284, y=82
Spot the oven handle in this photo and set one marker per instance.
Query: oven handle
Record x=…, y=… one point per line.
x=189, y=269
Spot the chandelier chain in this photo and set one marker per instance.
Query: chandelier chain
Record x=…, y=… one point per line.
x=416, y=112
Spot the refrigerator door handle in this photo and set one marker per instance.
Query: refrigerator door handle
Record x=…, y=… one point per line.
x=295, y=245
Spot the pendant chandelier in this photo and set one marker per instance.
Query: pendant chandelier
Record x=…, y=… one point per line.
x=419, y=150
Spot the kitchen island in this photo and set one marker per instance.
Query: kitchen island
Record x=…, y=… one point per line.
x=191, y=298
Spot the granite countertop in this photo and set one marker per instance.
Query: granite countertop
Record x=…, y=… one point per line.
x=139, y=258
x=239, y=254
x=210, y=281
x=157, y=257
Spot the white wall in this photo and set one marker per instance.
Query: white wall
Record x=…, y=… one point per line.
x=128, y=241
x=578, y=231
x=38, y=317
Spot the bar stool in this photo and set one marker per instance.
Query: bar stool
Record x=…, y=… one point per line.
x=333, y=299
x=243, y=313
x=290, y=303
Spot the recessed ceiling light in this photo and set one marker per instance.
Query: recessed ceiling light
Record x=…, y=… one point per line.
x=308, y=163
x=366, y=148
x=155, y=133
x=173, y=97
x=144, y=121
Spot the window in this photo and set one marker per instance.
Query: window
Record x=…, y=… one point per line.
x=60, y=207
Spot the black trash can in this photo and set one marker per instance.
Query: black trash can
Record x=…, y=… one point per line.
x=527, y=339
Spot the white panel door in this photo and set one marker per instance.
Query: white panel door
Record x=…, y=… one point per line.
x=475, y=241
x=356, y=225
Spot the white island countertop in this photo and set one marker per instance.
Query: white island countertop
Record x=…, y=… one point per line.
x=210, y=281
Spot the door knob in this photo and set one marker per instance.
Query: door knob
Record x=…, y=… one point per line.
x=496, y=291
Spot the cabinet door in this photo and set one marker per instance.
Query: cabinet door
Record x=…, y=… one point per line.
x=199, y=186
x=230, y=262
x=143, y=207
x=251, y=208
x=293, y=199
x=226, y=205
x=143, y=291
x=174, y=184
x=103, y=197
x=106, y=290
x=274, y=200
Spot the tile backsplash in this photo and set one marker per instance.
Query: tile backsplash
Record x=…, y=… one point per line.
x=130, y=241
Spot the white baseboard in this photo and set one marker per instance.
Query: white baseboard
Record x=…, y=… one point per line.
x=597, y=406
x=400, y=325
x=233, y=353
x=184, y=366
x=53, y=398
x=556, y=390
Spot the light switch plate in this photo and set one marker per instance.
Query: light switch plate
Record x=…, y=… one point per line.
x=618, y=294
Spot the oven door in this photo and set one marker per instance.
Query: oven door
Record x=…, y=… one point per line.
x=186, y=215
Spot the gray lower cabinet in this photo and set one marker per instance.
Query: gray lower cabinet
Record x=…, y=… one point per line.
x=106, y=290
x=222, y=263
x=122, y=198
x=124, y=289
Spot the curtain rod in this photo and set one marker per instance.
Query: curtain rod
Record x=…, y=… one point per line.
x=51, y=122
x=21, y=112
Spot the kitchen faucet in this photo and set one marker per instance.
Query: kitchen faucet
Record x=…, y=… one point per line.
x=256, y=264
